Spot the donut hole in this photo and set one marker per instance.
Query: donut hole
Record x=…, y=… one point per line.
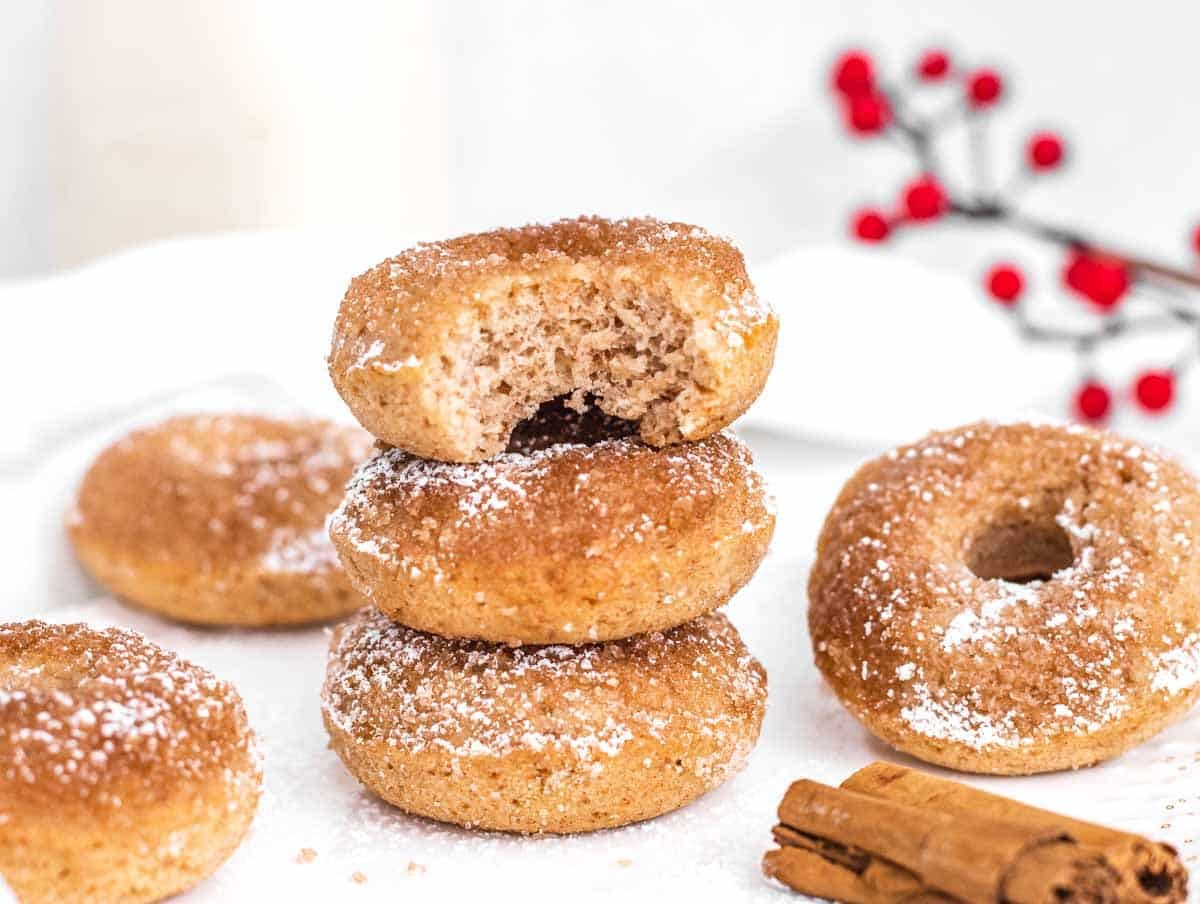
x=627, y=346
x=1020, y=552
x=1156, y=883
x=573, y=419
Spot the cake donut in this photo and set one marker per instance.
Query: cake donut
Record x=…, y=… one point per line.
x=220, y=519
x=579, y=533
x=1012, y=598
x=444, y=348
x=541, y=739
x=126, y=773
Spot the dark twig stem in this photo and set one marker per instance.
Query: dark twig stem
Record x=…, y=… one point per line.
x=1129, y=293
x=987, y=206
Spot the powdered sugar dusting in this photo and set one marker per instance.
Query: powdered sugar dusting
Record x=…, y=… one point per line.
x=407, y=513
x=989, y=622
x=742, y=312
x=421, y=692
x=290, y=552
x=370, y=360
x=1178, y=669
x=95, y=714
x=995, y=664
x=223, y=491
x=936, y=714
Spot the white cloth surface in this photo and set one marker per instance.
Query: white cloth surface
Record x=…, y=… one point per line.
x=874, y=349
x=242, y=322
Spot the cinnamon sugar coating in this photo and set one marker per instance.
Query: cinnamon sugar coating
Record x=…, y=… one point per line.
x=444, y=348
x=561, y=543
x=220, y=519
x=541, y=739
x=1012, y=598
x=126, y=773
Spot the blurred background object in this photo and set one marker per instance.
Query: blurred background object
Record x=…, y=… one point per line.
x=131, y=120
x=24, y=105
x=328, y=137
x=148, y=119
x=1115, y=295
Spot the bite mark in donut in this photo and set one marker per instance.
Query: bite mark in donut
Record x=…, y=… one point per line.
x=444, y=348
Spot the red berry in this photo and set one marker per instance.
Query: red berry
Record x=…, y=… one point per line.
x=1045, y=151
x=984, y=88
x=871, y=226
x=867, y=113
x=1102, y=281
x=933, y=65
x=1155, y=390
x=1092, y=401
x=924, y=199
x=1078, y=273
x=1005, y=283
x=1196, y=239
x=853, y=73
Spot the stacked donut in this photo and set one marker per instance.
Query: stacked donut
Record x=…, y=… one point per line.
x=551, y=515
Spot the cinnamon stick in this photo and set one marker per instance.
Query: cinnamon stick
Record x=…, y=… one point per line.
x=1149, y=872
x=862, y=849
x=826, y=869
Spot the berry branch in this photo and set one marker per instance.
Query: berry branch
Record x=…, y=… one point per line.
x=1100, y=274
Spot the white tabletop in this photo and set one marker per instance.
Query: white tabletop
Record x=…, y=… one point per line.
x=242, y=322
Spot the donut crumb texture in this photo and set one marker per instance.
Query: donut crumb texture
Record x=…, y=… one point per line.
x=445, y=348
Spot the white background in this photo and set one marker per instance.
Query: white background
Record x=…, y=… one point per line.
x=348, y=131
x=709, y=851
x=126, y=120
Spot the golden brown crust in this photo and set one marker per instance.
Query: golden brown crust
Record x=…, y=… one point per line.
x=989, y=675
x=561, y=545
x=126, y=773
x=220, y=519
x=412, y=330
x=541, y=739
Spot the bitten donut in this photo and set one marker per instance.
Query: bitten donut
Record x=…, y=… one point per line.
x=127, y=773
x=541, y=739
x=220, y=519
x=1012, y=598
x=559, y=540
x=444, y=348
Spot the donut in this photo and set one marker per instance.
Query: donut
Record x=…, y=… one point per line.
x=220, y=519
x=1012, y=598
x=128, y=774
x=551, y=739
x=558, y=540
x=443, y=349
